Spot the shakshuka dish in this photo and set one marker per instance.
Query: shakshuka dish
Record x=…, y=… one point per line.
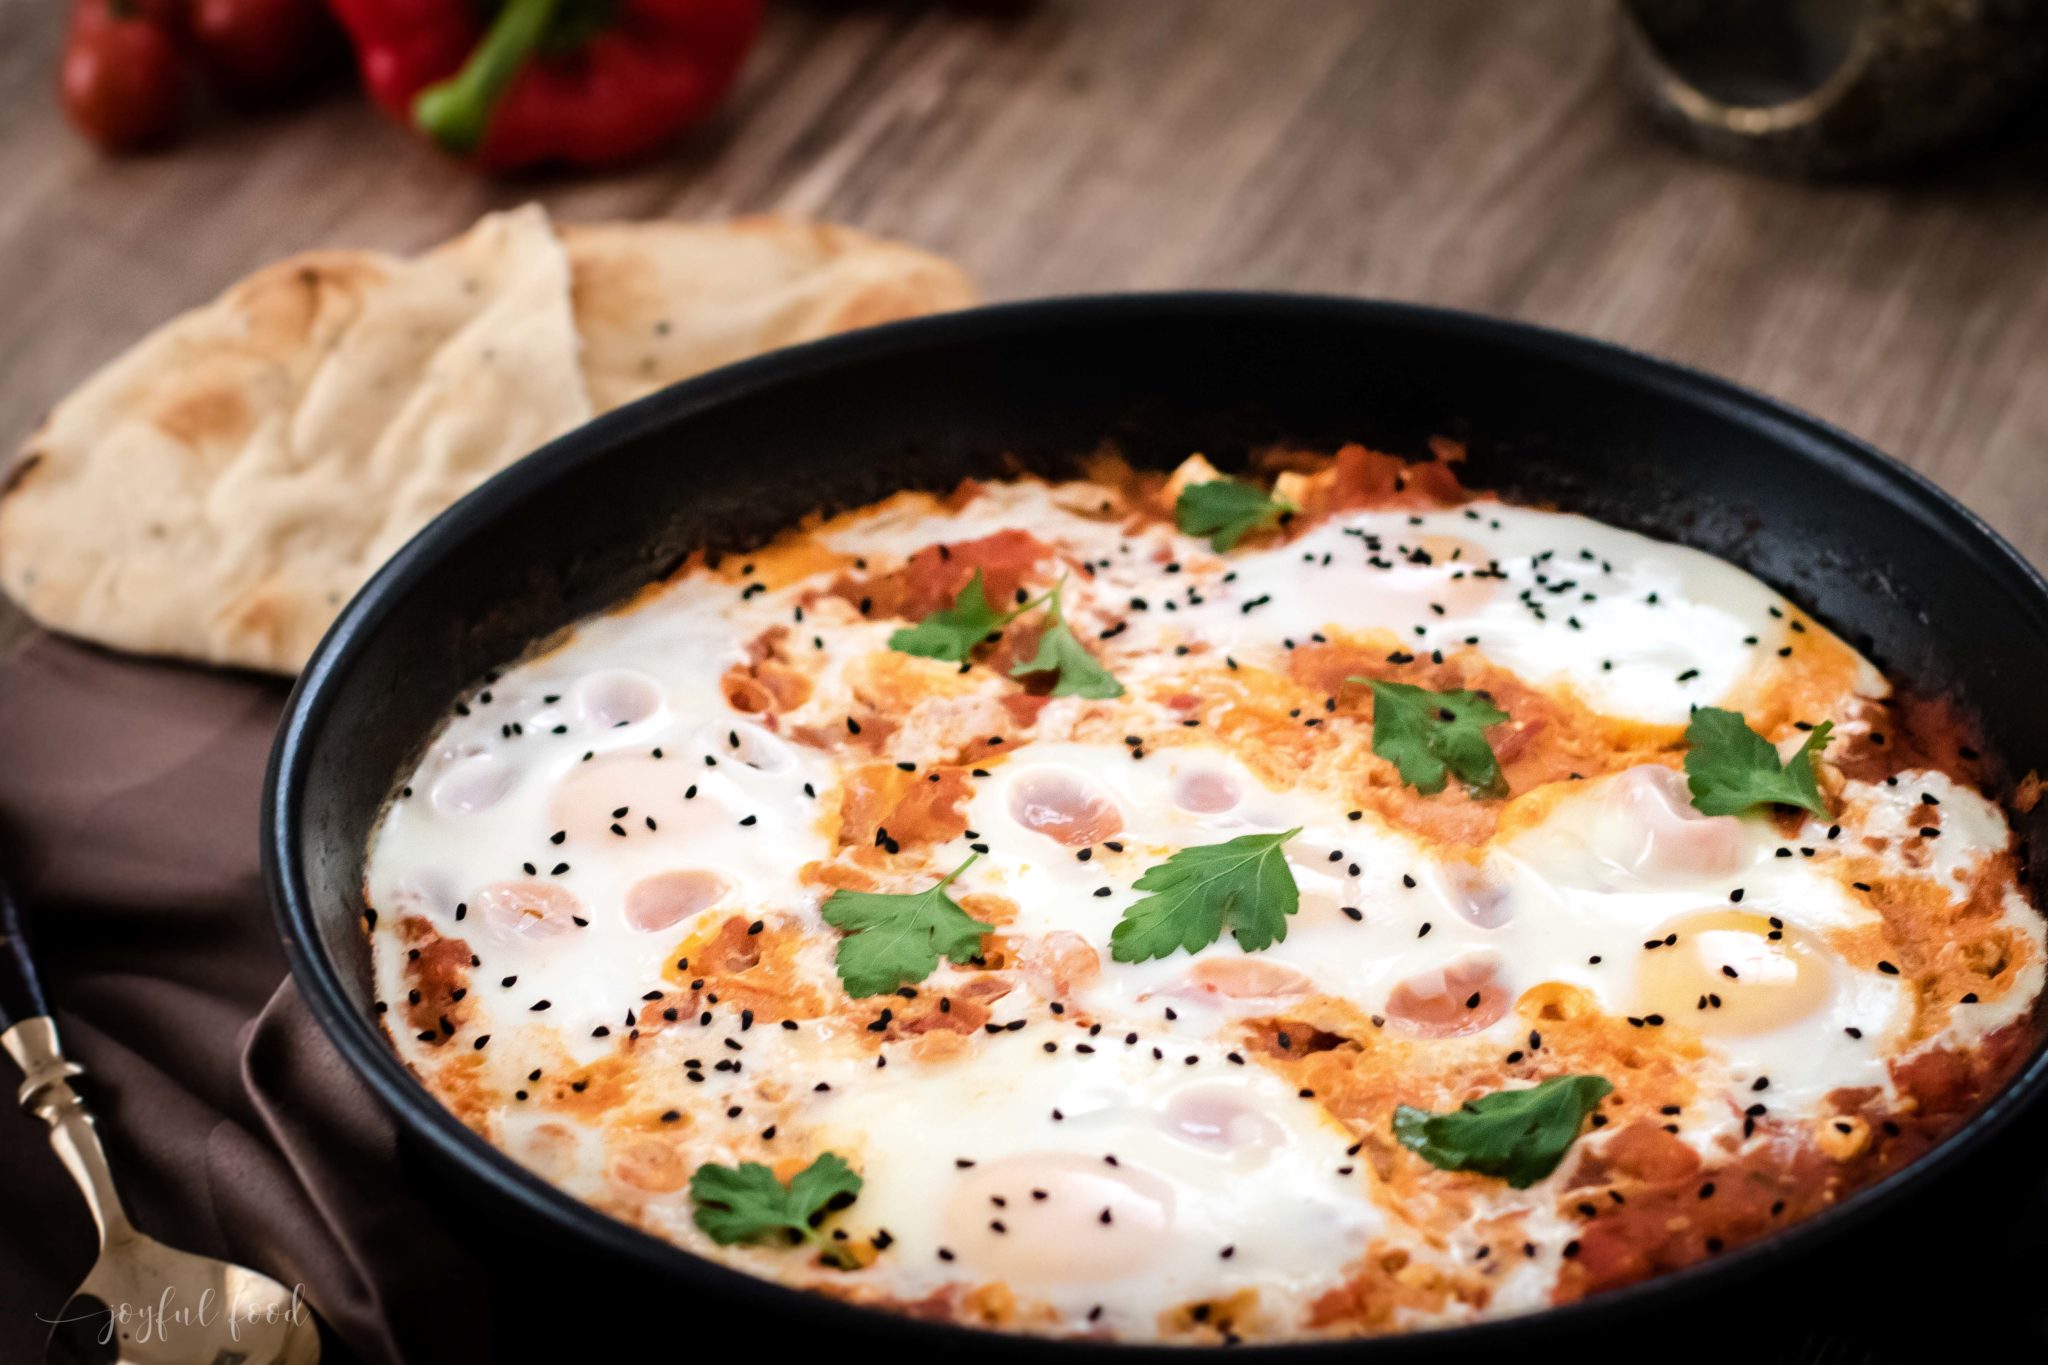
x=1318, y=903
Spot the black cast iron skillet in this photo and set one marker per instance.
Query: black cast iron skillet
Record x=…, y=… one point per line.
x=723, y=461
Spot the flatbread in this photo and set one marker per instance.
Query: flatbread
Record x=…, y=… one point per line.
x=659, y=302
x=221, y=489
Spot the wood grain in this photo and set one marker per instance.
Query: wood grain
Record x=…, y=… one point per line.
x=1475, y=153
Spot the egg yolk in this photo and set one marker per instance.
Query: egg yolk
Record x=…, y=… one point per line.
x=749, y=745
x=617, y=697
x=1477, y=896
x=552, y=1149
x=1453, y=576
x=651, y=1164
x=1449, y=1002
x=623, y=790
x=528, y=909
x=1206, y=791
x=473, y=784
x=1047, y=1218
x=666, y=899
x=1221, y=1119
x=1648, y=827
x=1241, y=977
x=1059, y=963
x=1732, y=973
x=1065, y=805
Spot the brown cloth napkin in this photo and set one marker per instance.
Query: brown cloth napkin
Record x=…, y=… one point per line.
x=128, y=817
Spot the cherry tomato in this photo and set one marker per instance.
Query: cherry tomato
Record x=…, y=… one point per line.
x=258, y=50
x=122, y=82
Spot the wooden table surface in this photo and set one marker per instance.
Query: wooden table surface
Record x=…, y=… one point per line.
x=1476, y=153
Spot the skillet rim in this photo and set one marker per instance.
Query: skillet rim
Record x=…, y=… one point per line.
x=1830, y=449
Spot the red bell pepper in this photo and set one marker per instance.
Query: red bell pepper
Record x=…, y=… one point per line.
x=521, y=82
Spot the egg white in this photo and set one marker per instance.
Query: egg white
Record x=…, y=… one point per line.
x=632, y=703
x=1275, y=1204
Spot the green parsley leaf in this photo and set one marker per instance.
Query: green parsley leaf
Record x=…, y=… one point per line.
x=745, y=1203
x=1423, y=733
x=953, y=632
x=894, y=940
x=1080, y=675
x=1226, y=511
x=1730, y=767
x=1518, y=1135
x=1243, y=885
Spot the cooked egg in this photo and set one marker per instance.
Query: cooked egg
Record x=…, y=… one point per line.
x=1102, y=1177
x=601, y=934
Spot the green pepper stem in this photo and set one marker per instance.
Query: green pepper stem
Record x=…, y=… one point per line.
x=457, y=112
